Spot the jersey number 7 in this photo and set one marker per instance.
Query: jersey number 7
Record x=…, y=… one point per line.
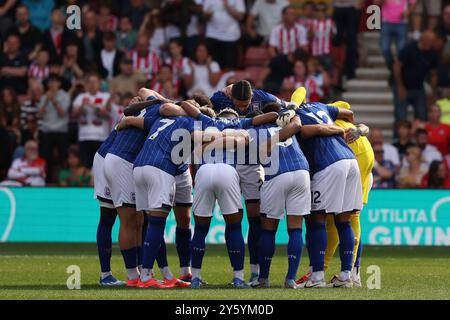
x=166, y=123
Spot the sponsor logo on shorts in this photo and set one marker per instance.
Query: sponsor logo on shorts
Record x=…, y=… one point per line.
x=107, y=192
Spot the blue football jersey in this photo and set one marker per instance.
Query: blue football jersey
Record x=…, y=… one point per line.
x=322, y=152
x=106, y=145
x=221, y=101
x=286, y=156
x=166, y=134
x=129, y=141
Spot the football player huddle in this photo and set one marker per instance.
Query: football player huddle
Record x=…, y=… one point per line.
x=308, y=161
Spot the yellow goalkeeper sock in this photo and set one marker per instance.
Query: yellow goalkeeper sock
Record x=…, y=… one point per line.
x=356, y=226
x=332, y=241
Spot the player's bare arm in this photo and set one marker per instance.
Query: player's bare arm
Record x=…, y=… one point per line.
x=321, y=130
x=265, y=118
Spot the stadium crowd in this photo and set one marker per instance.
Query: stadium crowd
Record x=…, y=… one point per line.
x=62, y=90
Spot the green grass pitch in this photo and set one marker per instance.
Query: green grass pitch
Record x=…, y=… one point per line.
x=38, y=271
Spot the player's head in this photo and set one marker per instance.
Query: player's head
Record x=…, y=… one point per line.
x=203, y=100
x=241, y=94
x=228, y=113
x=271, y=107
x=322, y=9
x=207, y=111
x=254, y=114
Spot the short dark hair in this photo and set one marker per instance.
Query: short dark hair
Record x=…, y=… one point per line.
x=242, y=90
x=271, y=107
x=109, y=36
x=405, y=123
x=420, y=131
x=286, y=8
x=203, y=100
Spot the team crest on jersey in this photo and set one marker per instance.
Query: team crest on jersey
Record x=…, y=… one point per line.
x=107, y=192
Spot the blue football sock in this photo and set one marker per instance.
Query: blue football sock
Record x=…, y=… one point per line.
x=308, y=238
x=254, y=232
x=104, y=241
x=266, y=250
x=139, y=256
x=318, y=245
x=153, y=241
x=358, y=255
x=161, y=257
x=130, y=257
x=144, y=229
x=198, y=244
x=236, y=246
x=346, y=244
x=294, y=251
x=183, y=243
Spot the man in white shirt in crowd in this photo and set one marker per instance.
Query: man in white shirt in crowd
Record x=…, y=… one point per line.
x=92, y=109
x=429, y=152
x=223, y=30
x=54, y=115
x=288, y=36
x=109, y=58
x=390, y=152
x=262, y=19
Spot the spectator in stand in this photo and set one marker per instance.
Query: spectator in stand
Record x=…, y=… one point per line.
x=126, y=36
x=28, y=170
x=395, y=26
x=136, y=10
x=390, y=152
x=6, y=15
x=128, y=80
x=10, y=114
x=346, y=16
x=429, y=153
x=412, y=170
x=39, y=69
x=158, y=32
x=92, y=109
x=194, y=28
x=75, y=175
x=13, y=66
x=416, y=61
x=301, y=78
x=404, y=138
x=107, y=22
x=433, y=9
x=321, y=80
x=91, y=36
x=262, y=18
x=108, y=59
x=31, y=105
x=145, y=61
x=39, y=12
x=223, y=31
x=288, y=36
x=438, y=132
x=181, y=66
x=70, y=69
x=57, y=36
x=206, y=72
x=30, y=36
x=443, y=26
x=323, y=31
x=54, y=113
x=307, y=17
x=165, y=84
x=438, y=176
x=383, y=170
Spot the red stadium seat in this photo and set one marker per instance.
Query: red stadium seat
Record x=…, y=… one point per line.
x=256, y=56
